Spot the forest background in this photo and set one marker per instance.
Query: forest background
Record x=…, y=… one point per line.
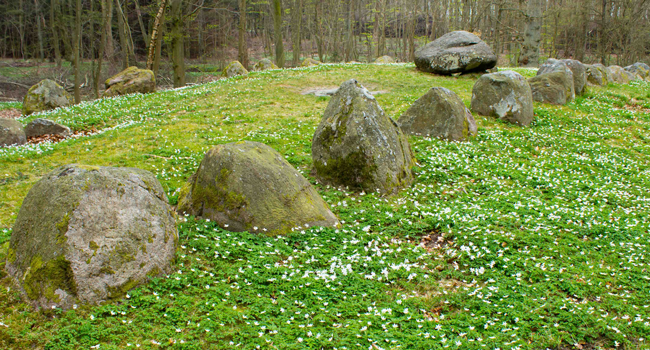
x=178, y=38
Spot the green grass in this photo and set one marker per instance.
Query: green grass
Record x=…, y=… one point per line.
x=546, y=227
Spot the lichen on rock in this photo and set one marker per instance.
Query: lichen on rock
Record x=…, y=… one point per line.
x=234, y=68
x=505, y=95
x=129, y=81
x=44, y=96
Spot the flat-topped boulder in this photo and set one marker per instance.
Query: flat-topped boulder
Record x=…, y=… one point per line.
x=87, y=234
x=308, y=62
x=384, y=59
x=553, y=87
x=264, y=64
x=233, y=69
x=248, y=186
x=45, y=96
x=504, y=95
x=455, y=52
x=11, y=133
x=439, y=113
x=130, y=81
x=40, y=127
x=553, y=65
x=358, y=146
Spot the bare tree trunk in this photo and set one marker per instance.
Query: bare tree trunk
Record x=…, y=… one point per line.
x=55, y=33
x=110, y=47
x=319, y=31
x=21, y=27
x=296, y=30
x=100, y=53
x=277, y=28
x=350, y=32
x=143, y=29
x=77, y=54
x=154, y=44
x=39, y=30
x=242, y=45
x=532, y=34
x=177, y=43
x=124, y=41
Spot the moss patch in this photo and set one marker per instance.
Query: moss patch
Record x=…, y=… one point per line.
x=44, y=278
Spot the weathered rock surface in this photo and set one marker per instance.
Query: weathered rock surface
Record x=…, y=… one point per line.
x=308, y=62
x=359, y=146
x=439, y=113
x=641, y=69
x=505, y=95
x=606, y=73
x=595, y=75
x=129, y=81
x=264, y=64
x=44, y=96
x=248, y=186
x=384, y=59
x=553, y=65
x=455, y=52
x=553, y=87
x=579, y=75
x=234, y=68
x=40, y=127
x=620, y=75
x=11, y=133
x=87, y=234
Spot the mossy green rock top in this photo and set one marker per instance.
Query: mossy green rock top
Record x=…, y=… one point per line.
x=264, y=64
x=554, y=88
x=641, y=69
x=11, y=133
x=439, y=113
x=358, y=146
x=44, y=96
x=248, y=186
x=384, y=59
x=308, y=62
x=129, y=81
x=505, y=95
x=619, y=75
x=233, y=69
x=87, y=234
x=595, y=75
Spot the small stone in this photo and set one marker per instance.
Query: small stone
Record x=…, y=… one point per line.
x=384, y=60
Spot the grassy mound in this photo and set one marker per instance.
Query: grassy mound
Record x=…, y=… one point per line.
x=521, y=238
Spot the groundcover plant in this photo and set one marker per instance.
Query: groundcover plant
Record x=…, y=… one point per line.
x=521, y=238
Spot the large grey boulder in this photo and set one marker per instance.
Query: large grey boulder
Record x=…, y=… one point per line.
x=606, y=73
x=641, y=69
x=88, y=234
x=45, y=96
x=505, y=95
x=11, y=133
x=40, y=127
x=264, y=64
x=553, y=65
x=554, y=88
x=455, y=52
x=439, y=113
x=248, y=186
x=129, y=81
x=595, y=76
x=579, y=75
x=359, y=146
x=620, y=75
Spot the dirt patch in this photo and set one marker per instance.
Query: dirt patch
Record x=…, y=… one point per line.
x=11, y=113
x=59, y=138
x=433, y=240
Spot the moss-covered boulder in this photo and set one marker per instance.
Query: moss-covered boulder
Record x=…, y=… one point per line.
x=233, y=69
x=44, y=96
x=308, y=62
x=595, y=76
x=11, y=133
x=384, y=59
x=264, y=64
x=358, y=146
x=455, y=52
x=505, y=95
x=40, y=127
x=87, y=234
x=620, y=75
x=579, y=75
x=439, y=113
x=129, y=81
x=641, y=69
x=552, y=65
x=248, y=186
x=554, y=88
x=605, y=72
